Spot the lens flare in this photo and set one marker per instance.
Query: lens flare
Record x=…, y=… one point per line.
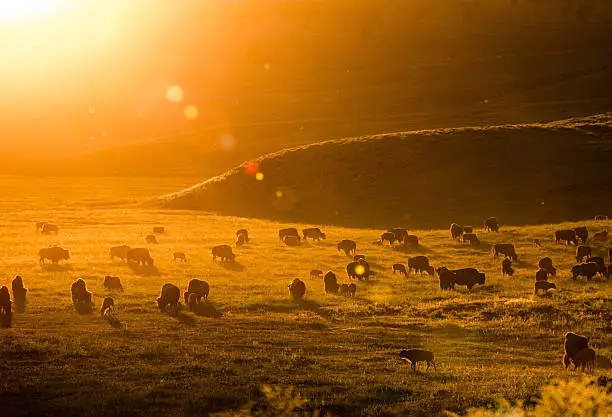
x=259, y=176
x=191, y=112
x=251, y=168
x=360, y=269
x=175, y=94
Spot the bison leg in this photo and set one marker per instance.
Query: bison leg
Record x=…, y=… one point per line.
x=566, y=361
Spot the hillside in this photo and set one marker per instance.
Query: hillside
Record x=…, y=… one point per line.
x=281, y=74
x=531, y=173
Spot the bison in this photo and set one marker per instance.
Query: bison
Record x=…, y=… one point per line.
x=112, y=283
x=315, y=273
x=601, y=265
x=19, y=291
x=179, y=256
x=588, y=270
x=600, y=217
x=197, y=291
x=399, y=268
x=601, y=236
x=471, y=238
x=141, y=256
x=537, y=243
x=469, y=277
x=400, y=233
x=585, y=359
x=352, y=289
x=159, y=229
x=456, y=231
x=331, y=283
x=359, y=258
x=313, y=233
x=567, y=236
x=54, y=254
x=151, y=239
x=468, y=229
x=411, y=240
x=297, y=289
x=414, y=356
x=447, y=278
x=108, y=305
x=541, y=275
x=491, y=224
x=420, y=264
x=506, y=249
x=224, y=252
x=243, y=232
x=119, y=252
x=81, y=298
x=49, y=228
x=358, y=270
x=582, y=233
x=506, y=268
x=291, y=240
x=547, y=265
x=240, y=240
x=344, y=288
x=387, y=236
x=291, y=231
x=543, y=286
x=6, y=313
x=573, y=344
x=348, y=246
x=170, y=295
x=583, y=252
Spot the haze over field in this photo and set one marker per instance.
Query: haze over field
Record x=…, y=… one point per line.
x=242, y=207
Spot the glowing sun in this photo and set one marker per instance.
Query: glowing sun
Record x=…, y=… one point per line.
x=15, y=10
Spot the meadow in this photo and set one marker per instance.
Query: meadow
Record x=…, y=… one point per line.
x=497, y=341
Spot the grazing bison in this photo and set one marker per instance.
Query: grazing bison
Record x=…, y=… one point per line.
x=387, y=236
x=352, y=289
x=601, y=236
x=54, y=254
x=331, y=283
x=49, y=228
x=447, y=278
x=506, y=249
x=468, y=277
x=179, y=256
x=399, y=268
x=506, y=268
x=547, y=265
x=81, y=298
x=140, y=255
x=582, y=233
x=151, y=239
x=291, y=240
x=400, y=233
x=588, y=270
x=567, y=236
x=291, y=231
x=601, y=265
x=411, y=240
x=313, y=233
x=119, y=252
x=600, y=217
x=543, y=286
x=358, y=270
x=420, y=264
x=112, y=283
x=541, y=275
x=108, y=305
x=19, y=291
x=315, y=273
x=197, y=291
x=39, y=225
x=573, y=344
x=344, y=289
x=585, y=359
x=456, y=231
x=224, y=252
x=159, y=229
x=537, y=243
x=468, y=229
x=170, y=295
x=348, y=246
x=243, y=232
x=414, y=356
x=297, y=289
x=583, y=252
x=6, y=313
x=471, y=238
x=240, y=240
x=491, y=224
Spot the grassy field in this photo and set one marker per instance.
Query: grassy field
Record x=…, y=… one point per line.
x=497, y=341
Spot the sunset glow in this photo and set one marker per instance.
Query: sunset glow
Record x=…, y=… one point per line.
x=15, y=10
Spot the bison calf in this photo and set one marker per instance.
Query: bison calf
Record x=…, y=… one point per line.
x=506, y=268
x=297, y=289
x=399, y=268
x=543, y=286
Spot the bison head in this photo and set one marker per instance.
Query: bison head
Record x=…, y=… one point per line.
x=481, y=278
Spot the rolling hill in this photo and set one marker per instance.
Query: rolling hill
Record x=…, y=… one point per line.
x=529, y=173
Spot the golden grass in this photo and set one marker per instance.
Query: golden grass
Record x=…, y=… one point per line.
x=496, y=341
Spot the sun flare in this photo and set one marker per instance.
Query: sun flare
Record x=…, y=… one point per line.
x=16, y=10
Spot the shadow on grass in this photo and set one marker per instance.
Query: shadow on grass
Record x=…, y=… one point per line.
x=207, y=310
x=183, y=318
x=19, y=307
x=83, y=308
x=412, y=249
x=233, y=266
x=145, y=270
x=291, y=307
x=56, y=267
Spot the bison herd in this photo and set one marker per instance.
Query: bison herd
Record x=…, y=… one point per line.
x=576, y=349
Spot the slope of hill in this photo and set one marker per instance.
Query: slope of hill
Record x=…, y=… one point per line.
x=531, y=173
x=294, y=72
